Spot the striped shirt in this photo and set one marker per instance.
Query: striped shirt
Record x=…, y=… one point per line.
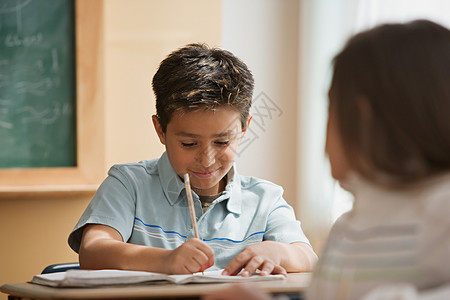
x=390, y=236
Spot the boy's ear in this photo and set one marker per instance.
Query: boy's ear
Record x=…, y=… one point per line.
x=158, y=129
x=247, y=123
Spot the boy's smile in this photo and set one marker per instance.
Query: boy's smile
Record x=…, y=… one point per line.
x=202, y=143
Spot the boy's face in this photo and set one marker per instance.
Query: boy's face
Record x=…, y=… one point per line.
x=202, y=143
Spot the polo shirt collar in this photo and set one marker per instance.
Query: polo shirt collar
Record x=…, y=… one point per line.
x=170, y=181
x=233, y=189
x=173, y=186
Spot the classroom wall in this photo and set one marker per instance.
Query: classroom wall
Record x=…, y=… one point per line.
x=138, y=34
x=265, y=35
x=134, y=47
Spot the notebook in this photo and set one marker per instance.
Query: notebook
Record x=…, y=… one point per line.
x=94, y=278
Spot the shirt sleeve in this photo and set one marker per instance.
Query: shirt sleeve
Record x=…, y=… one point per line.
x=282, y=225
x=113, y=205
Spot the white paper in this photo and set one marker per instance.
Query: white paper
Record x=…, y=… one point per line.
x=90, y=278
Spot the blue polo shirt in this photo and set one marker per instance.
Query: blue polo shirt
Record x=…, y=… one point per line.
x=146, y=203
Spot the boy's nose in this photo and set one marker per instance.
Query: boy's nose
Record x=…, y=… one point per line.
x=206, y=157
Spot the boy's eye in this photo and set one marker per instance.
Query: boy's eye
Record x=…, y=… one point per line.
x=188, y=144
x=222, y=143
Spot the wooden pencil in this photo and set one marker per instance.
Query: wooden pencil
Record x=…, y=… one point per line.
x=187, y=184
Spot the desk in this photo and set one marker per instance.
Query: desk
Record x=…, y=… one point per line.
x=295, y=283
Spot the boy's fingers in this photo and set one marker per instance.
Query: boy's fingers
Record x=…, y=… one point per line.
x=279, y=270
x=205, y=258
x=209, y=252
x=257, y=262
x=240, y=261
x=235, y=265
x=210, y=262
x=204, y=262
x=266, y=268
x=202, y=246
x=252, y=265
x=192, y=256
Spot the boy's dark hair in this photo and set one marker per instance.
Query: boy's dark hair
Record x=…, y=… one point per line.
x=198, y=77
x=391, y=93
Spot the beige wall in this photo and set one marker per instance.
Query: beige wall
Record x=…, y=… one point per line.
x=134, y=47
x=272, y=55
x=138, y=34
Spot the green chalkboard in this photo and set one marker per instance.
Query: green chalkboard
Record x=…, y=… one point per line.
x=37, y=84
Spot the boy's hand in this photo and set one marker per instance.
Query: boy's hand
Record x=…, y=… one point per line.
x=191, y=257
x=263, y=256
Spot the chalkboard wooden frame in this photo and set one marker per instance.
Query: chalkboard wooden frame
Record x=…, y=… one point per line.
x=86, y=176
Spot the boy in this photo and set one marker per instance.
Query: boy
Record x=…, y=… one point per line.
x=139, y=218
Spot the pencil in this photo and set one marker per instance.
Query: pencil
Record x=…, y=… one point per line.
x=187, y=184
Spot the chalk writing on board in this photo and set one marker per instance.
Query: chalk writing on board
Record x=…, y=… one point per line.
x=14, y=40
x=37, y=83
